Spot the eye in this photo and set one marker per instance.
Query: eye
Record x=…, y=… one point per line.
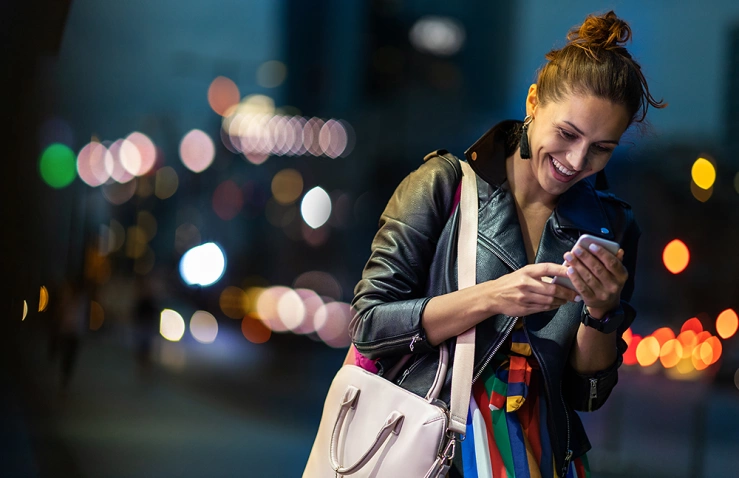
x=567, y=135
x=602, y=149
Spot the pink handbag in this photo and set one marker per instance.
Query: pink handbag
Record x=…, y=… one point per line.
x=371, y=427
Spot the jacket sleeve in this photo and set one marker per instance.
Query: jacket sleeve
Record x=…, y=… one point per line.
x=589, y=392
x=389, y=301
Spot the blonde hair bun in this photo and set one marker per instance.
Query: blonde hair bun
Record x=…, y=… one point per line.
x=600, y=31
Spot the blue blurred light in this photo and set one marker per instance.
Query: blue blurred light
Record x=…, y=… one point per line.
x=203, y=265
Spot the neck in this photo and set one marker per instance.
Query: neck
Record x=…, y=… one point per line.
x=524, y=185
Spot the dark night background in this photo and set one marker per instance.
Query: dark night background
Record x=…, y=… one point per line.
x=74, y=71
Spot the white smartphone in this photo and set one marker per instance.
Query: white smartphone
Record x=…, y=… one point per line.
x=584, y=241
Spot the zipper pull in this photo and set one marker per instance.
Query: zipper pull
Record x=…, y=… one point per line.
x=416, y=338
x=593, y=392
x=405, y=374
x=566, y=464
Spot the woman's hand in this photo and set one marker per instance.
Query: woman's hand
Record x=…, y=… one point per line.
x=524, y=292
x=598, y=275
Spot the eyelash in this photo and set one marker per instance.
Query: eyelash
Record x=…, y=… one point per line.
x=566, y=135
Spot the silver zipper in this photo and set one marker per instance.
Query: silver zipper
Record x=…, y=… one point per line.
x=391, y=342
x=495, y=350
x=413, y=366
x=415, y=339
x=593, y=393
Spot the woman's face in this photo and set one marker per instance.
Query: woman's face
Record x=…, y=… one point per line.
x=572, y=139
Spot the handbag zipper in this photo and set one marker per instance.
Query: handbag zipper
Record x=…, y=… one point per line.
x=411, y=368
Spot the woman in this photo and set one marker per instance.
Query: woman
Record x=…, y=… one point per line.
x=542, y=350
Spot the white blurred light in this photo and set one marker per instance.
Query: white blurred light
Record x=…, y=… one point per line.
x=268, y=307
x=91, y=162
x=197, y=150
x=311, y=303
x=130, y=157
x=332, y=323
x=203, y=327
x=291, y=309
x=147, y=152
x=316, y=207
x=171, y=325
x=115, y=166
x=203, y=265
x=441, y=36
x=25, y=310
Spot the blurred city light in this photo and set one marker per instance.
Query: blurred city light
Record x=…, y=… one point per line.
x=122, y=152
x=147, y=153
x=671, y=353
x=203, y=327
x=223, y=94
x=323, y=283
x=647, y=352
x=311, y=303
x=130, y=157
x=699, y=193
x=316, y=207
x=267, y=307
x=166, y=182
x=119, y=193
x=228, y=199
x=147, y=223
x=135, y=242
x=186, y=236
x=43, y=299
x=91, y=164
x=630, y=354
x=688, y=339
x=97, y=315
x=57, y=166
x=332, y=324
x=171, y=325
x=25, y=310
x=693, y=324
x=727, y=323
x=203, y=265
x=676, y=256
x=197, y=150
x=703, y=173
x=233, y=302
x=442, y=36
x=287, y=186
x=291, y=309
x=255, y=330
x=663, y=335
x=271, y=74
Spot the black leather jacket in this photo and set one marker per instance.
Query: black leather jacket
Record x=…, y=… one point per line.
x=414, y=258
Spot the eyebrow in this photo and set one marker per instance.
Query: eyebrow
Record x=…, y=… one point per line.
x=583, y=134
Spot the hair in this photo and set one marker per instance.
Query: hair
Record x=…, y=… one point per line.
x=595, y=62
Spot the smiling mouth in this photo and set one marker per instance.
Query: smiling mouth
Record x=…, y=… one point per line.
x=561, y=172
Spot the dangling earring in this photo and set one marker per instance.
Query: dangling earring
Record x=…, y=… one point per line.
x=524, y=145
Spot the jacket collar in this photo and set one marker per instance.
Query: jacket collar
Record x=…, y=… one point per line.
x=579, y=208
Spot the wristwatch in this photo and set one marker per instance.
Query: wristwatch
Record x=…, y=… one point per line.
x=609, y=323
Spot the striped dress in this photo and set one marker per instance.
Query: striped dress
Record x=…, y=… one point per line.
x=507, y=433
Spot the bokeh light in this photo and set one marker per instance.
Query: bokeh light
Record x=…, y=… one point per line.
x=332, y=324
x=703, y=173
x=627, y=335
x=727, y=323
x=122, y=152
x=736, y=378
x=699, y=193
x=316, y=207
x=663, y=335
x=254, y=330
x=267, y=307
x=171, y=325
x=147, y=223
x=287, y=186
x=323, y=283
x=197, y=150
x=228, y=199
x=147, y=153
x=119, y=193
x=43, y=299
x=166, y=183
x=203, y=265
x=233, y=302
x=57, y=166
x=186, y=236
x=91, y=164
x=688, y=339
x=135, y=242
x=271, y=74
x=203, y=327
x=291, y=310
x=223, y=95
x=693, y=324
x=442, y=36
x=97, y=315
x=25, y=310
x=716, y=349
x=647, y=352
x=311, y=303
x=130, y=157
x=676, y=256
x=671, y=353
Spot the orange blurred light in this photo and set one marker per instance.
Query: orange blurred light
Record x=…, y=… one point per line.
x=630, y=354
x=688, y=339
x=222, y=95
x=628, y=334
x=647, y=352
x=43, y=299
x=676, y=256
x=702, y=337
x=727, y=323
x=716, y=349
x=254, y=329
x=698, y=362
x=663, y=335
x=693, y=324
x=670, y=353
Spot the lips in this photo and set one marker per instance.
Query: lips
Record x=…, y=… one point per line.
x=560, y=172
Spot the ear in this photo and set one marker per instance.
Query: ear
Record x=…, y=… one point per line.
x=531, y=101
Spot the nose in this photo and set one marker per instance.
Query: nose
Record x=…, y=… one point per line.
x=577, y=157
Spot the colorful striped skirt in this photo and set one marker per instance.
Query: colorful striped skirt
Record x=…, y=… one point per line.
x=507, y=433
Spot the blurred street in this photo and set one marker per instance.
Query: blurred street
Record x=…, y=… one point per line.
x=218, y=414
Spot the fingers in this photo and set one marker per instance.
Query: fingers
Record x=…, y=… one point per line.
x=545, y=269
x=595, y=272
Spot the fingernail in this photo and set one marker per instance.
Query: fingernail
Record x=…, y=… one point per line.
x=570, y=271
x=577, y=251
x=578, y=298
x=594, y=247
x=569, y=256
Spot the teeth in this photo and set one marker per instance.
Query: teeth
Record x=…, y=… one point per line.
x=560, y=167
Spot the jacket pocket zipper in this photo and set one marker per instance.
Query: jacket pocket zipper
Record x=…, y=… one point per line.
x=410, y=369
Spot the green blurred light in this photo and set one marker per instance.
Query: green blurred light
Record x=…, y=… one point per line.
x=58, y=166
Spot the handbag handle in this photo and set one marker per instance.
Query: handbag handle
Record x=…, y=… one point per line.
x=392, y=425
